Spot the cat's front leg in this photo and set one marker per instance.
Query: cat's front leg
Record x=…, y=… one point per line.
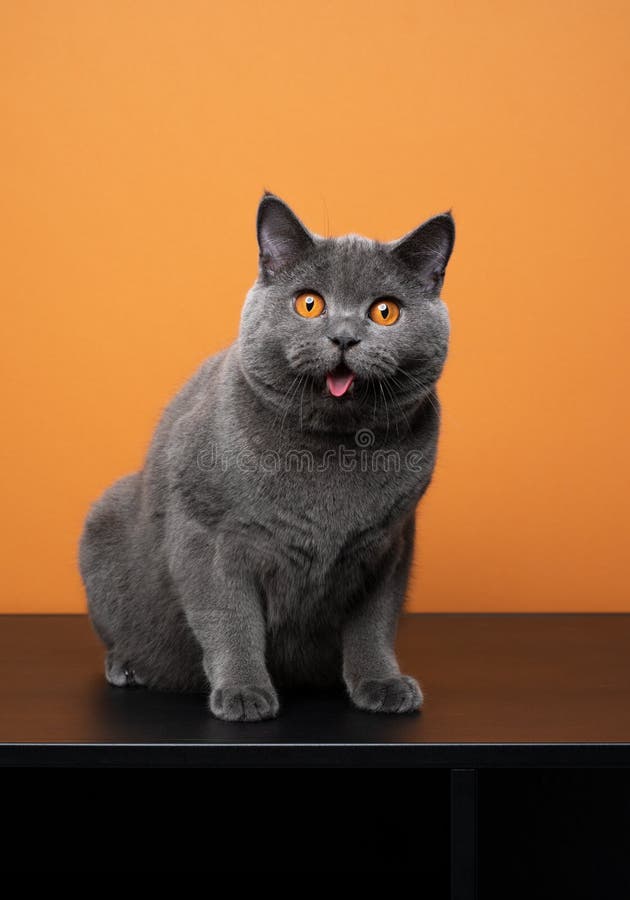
x=224, y=610
x=370, y=669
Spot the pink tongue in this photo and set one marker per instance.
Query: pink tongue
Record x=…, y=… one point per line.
x=339, y=384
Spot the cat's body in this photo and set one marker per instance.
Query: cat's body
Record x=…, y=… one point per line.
x=268, y=537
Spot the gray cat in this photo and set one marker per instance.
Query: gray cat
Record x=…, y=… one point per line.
x=267, y=540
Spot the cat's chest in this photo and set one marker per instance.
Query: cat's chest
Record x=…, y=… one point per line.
x=312, y=511
x=310, y=562
x=322, y=522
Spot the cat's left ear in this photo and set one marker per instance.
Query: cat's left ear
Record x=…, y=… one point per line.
x=427, y=249
x=282, y=238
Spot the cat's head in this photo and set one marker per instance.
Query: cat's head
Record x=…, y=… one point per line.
x=345, y=331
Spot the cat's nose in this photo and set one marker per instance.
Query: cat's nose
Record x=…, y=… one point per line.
x=344, y=341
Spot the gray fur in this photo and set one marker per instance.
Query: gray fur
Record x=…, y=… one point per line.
x=210, y=569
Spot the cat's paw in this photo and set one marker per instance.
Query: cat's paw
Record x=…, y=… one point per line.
x=121, y=674
x=244, y=703
x=400, y=694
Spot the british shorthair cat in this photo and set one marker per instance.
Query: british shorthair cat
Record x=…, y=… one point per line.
x=267, y=540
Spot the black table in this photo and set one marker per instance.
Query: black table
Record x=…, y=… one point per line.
x=508, y=691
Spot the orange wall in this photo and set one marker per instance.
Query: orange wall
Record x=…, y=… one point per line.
x=136, y=140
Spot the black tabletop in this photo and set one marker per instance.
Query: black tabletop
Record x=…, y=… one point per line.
x=500, y=690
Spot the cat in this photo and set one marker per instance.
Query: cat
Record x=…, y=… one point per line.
x=267, y=541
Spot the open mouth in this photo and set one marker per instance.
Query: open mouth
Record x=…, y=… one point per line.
x=339, y=380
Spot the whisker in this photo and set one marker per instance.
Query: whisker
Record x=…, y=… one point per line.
x=375, y=399
x=294, y=393
x=380, y=384
x=428, y=388
x=391, y=394
x=282, y=402
x=301, y=401
x=402, y=411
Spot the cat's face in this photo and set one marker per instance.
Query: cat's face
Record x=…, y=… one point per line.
x=343, y=332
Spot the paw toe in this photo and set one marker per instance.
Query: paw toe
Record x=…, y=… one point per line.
x=400, y=694
x=247, y=703
x=121, y=674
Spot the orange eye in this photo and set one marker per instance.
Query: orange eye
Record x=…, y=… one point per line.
x=309, y=304
x=384, y=312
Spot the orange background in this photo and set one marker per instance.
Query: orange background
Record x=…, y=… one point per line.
x=136, y=140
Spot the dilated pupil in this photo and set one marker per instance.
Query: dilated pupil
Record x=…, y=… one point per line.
x=384, y=310
x=309, y=303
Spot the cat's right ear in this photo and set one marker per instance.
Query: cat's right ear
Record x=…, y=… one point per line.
x=282, y=238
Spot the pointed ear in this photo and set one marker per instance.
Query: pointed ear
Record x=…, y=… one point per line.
x=282, y=238
x=427, y=248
